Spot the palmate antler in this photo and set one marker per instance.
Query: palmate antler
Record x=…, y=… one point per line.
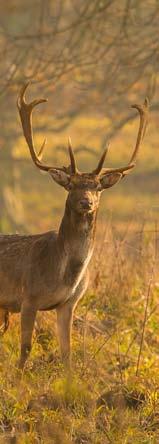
x=25, y=111
x=143, y=112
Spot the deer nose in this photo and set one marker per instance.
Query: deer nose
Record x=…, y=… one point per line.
x=85, y=204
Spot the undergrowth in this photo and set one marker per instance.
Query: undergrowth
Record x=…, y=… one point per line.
x=112, y=395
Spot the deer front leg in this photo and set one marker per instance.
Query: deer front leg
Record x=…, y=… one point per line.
x=64, y=326
x=28, y=314
x=65, y=318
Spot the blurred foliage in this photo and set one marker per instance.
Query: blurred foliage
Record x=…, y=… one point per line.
x=93, y=60
x=26, y=192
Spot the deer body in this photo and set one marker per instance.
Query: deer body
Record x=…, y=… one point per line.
x=49, y=271
x=47, y=264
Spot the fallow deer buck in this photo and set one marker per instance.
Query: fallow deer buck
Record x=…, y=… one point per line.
x=49, y=270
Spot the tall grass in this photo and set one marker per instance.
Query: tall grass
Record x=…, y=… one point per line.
x=113, y=395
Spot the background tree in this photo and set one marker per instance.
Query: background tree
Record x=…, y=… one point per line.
x=89, y=58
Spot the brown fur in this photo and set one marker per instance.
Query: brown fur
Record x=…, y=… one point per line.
x=49, y=270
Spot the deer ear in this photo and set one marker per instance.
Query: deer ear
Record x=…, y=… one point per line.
x=60, y=177
x=109, y=179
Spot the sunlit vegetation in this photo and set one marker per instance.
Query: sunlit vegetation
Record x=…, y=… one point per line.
x=92, y=60
x=112, y=396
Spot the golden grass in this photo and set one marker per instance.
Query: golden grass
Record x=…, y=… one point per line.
x=113, y=396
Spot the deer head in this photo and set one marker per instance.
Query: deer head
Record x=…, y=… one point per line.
x=84, y=188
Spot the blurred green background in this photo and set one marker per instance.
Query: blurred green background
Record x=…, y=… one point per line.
x=92, y=60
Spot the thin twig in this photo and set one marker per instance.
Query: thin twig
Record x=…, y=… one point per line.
x=147, y=303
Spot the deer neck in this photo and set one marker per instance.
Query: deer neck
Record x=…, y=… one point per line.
x=77, y=234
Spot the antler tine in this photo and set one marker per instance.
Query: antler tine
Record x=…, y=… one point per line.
x=25, y=111
x=143, y=112
x=101, y=161
x=72, y=157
